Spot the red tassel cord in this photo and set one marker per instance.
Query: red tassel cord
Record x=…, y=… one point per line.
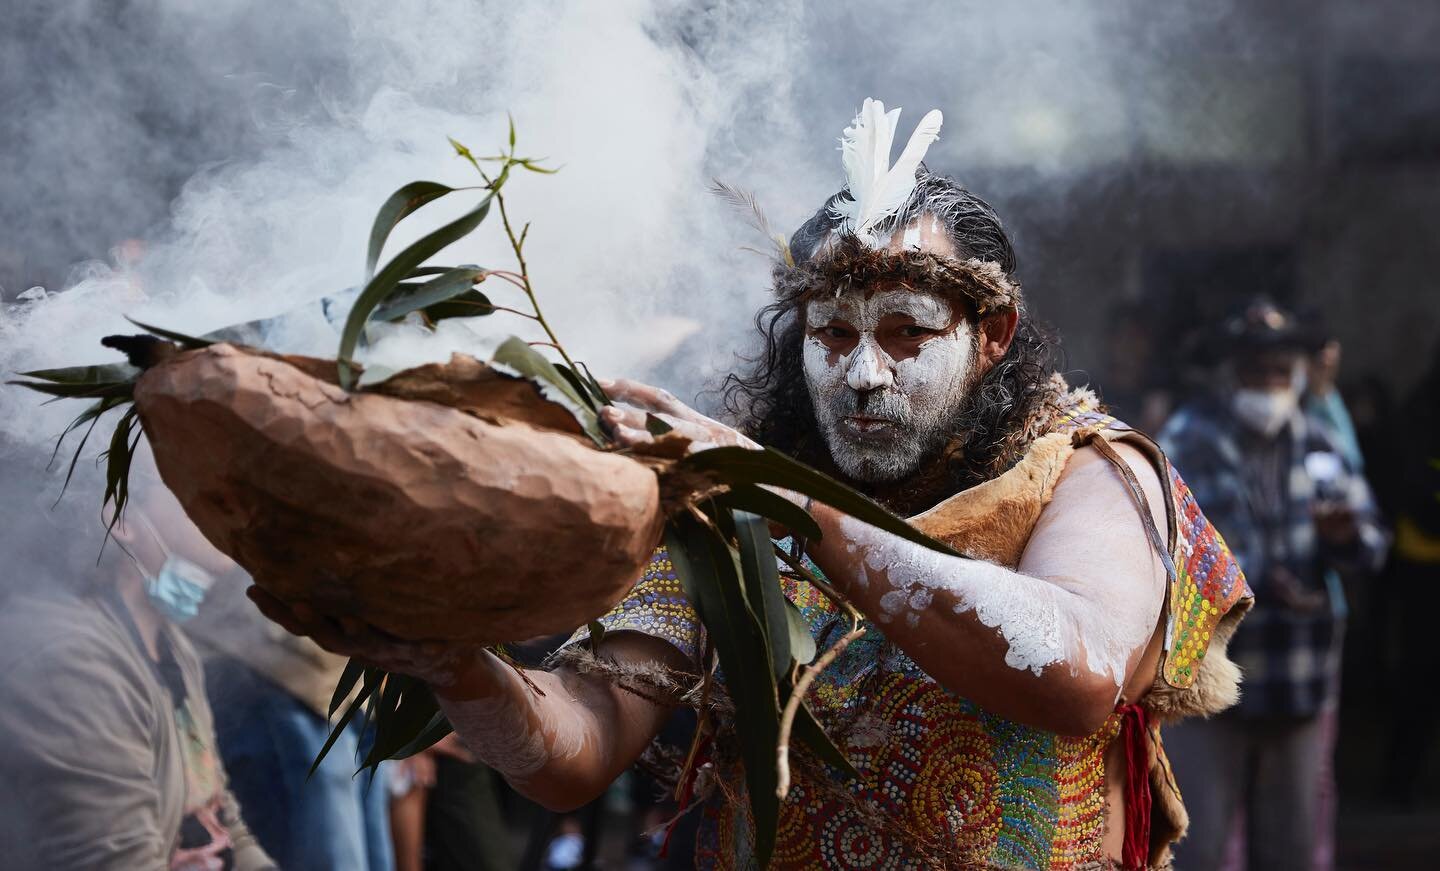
x=1134, y=729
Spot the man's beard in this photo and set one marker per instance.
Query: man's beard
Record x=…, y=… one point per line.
x=888, y=453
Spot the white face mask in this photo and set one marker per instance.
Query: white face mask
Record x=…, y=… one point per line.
x=909, y=403
x=1265, y=411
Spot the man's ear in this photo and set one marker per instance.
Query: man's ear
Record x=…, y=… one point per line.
x=997, y=331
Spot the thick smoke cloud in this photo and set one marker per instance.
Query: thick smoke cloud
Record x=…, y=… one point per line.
x=201, y=164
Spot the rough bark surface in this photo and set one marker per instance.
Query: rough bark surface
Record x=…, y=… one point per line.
x=421, y=519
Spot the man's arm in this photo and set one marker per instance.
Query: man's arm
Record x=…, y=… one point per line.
x=1052, y=644
x=559, y=743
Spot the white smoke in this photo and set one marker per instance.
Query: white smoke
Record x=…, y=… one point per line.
x=628, y=253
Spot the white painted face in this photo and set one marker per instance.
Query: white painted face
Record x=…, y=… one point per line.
x=887, y=374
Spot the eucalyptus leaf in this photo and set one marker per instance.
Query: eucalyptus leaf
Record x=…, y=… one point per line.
x=384, y=282
x=810, y=733
x=372, y=679
x=446, y=286
x=470, y=304
x=758, y=500
x=354, y=670
x=519, y=357
x=409, y=713
x=761, y=586
x=187, y=342
x=656, y=426
x=92, y=416
x=705, y=566
x=109, y=373
x=735, y=465
x=595, y=389
x=438, y=727
x=802, y=643
x=394, y=210
x=577, y=385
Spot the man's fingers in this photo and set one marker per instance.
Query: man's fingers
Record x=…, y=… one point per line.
x=644, y=396
x=274, y=609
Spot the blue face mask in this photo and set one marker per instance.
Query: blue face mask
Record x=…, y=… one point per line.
x=179, y=589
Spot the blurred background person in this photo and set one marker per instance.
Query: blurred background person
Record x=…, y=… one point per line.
x=445, y=812
x=277, y=688
x=1290, y=504
x=107, y=740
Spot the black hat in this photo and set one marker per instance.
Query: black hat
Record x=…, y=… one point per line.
x=1261, y=325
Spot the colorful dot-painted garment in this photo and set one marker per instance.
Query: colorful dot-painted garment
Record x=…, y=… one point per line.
x=942, y=782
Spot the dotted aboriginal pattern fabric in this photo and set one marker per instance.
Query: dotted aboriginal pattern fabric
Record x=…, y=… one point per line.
x=1207, y=585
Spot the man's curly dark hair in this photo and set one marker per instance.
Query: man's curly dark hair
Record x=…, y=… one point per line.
x=770, y=401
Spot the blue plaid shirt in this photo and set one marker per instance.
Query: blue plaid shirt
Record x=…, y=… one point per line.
x=1261, y=495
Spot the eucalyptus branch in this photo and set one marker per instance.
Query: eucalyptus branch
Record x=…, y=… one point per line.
x=820, y=584
x=702, y=722
x=797, y=696
x=517, y=244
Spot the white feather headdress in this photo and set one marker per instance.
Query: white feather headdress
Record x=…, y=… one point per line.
x=878, y=190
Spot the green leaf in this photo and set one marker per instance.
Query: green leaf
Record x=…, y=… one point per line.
x=470, y=304
x=518, y=356
x=91, y=415
x=597, y=633
x=577, y=385
x=761, y=587
x=396, y=207
x=512, y=130
x=599, y=392
x=354, y=670
x=437, y=728
x=117, y=464
x=384, y=282
x=447, y=286
x=655, y=426
x=373, y=676
x=735, y=465
x=802, y=643
x=758, y=500
x=706, y=568
x=123, y=390
x=403, y=717
x=810, y=733
x=111, y=373
x=189, y=343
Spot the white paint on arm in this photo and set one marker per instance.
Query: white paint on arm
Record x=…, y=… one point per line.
x=1087, y=592
x=518, y=732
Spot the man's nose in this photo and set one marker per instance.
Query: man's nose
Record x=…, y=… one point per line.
x=869, y=369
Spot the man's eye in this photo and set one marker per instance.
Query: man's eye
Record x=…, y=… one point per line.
x=836, y=332
x=914, y=331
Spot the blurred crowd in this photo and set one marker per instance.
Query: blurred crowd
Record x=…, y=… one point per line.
x=177, y=727
x=1328, y=491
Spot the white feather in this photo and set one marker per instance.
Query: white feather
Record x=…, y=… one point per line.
x=876, y=189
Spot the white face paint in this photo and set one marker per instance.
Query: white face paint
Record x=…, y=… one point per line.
x=880, y=416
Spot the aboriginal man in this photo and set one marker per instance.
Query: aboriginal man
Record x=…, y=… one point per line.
x=1004, y=709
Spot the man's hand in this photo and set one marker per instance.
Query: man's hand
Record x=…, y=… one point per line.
x=626, y=419
x=1336, y=524
x=443, y=665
